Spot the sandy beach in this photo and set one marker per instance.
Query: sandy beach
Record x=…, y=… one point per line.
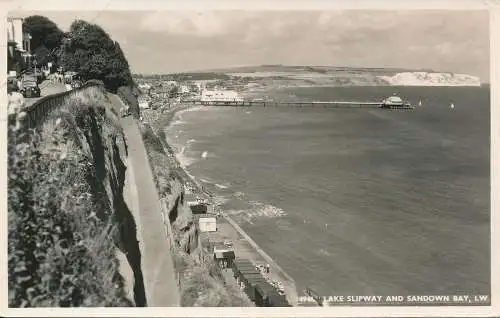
x=227, y=228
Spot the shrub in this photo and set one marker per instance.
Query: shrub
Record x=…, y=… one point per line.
x=94, y=81
x=61, y=251
x=150, y=139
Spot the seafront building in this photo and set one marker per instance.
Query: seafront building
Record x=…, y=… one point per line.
x=18, y=41
x=220, y=96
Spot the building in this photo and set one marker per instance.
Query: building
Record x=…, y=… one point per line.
x=143, y=102
x=184, y=89
x=198, y=204
x=17, y=36
x=207, y=224
x=224, y=255
x=145, y=88
x=220, y=96
x=256, y=286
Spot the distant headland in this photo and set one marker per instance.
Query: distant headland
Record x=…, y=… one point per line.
x=281, y=76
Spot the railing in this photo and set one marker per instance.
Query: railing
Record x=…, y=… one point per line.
x=35, y=114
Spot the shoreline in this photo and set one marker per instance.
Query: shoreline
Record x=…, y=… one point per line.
x=285, y=278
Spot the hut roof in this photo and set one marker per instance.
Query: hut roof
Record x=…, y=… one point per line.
x=254, y=280
x=267, y=288
x=242, y=261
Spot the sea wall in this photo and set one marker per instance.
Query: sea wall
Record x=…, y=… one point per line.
x=67, y=214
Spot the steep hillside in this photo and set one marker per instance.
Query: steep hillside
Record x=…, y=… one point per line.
x=66, y=212
x=262, y=78
x=431, y=79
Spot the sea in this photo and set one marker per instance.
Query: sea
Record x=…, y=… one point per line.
x=355, y=201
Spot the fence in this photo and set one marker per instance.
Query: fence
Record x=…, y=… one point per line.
x=36, y=113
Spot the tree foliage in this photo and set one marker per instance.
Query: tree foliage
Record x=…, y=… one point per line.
x=91, y=52
x=43, y=32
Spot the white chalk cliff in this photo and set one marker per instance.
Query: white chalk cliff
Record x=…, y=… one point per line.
x=431, y=79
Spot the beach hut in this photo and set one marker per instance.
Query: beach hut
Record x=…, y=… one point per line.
x=241, y=271
x=208, y=224
x=251, y=283
x=196, y=203
x=243, y=265
x=225, y=257
x=267, y=296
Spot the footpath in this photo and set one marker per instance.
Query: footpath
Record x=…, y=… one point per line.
x=157, y=264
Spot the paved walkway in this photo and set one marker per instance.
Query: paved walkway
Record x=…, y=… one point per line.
x=157, y=265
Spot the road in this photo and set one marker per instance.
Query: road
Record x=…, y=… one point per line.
x=157, y=264
x=47, y=88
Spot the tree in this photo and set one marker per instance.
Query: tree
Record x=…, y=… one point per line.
x=91, y=52
x=174, y=90
x=43, y=32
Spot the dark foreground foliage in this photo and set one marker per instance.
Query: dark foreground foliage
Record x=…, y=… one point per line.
x=60, y=252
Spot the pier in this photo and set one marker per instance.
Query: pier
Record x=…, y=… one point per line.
x=299, y=104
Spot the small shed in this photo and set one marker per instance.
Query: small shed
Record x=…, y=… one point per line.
x=251, y=283
x=208, y=224
x=263, y=293
x=199, y=208
x=245, y=275
x=275, y=299
x=241, y=266
x=225, y=258
x=196, y=203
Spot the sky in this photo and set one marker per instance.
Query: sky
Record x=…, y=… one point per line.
x=176, y=41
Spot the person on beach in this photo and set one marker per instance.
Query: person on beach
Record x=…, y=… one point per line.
x=267, y=268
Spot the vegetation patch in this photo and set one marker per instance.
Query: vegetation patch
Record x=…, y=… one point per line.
x=130, y=99
x=61, y=231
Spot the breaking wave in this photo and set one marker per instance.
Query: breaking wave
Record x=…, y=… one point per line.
x=258, y=211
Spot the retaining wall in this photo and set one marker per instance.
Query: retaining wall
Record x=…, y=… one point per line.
x=32, y=116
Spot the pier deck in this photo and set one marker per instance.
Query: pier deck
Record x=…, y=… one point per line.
x=325, y=104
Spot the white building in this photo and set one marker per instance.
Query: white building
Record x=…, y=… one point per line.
x=170, y=83
x=16, y=35
x=144, y=88
x=221, y=96
x=143, y=102
x=183, y=89
x=208, y=224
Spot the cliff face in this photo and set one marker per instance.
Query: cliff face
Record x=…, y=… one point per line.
x=177, y=215
x=431, y=79
x=67, y=213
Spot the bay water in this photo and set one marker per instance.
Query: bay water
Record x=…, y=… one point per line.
x=356, y=201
